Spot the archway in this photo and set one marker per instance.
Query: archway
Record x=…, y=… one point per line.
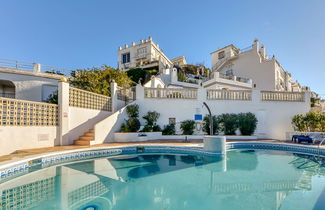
x=7, y=89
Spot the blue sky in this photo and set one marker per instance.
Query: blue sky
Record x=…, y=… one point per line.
x=85, y=33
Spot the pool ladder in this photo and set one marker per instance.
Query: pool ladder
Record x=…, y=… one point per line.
x=320, y=159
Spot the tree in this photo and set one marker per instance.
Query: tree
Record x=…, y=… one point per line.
x=309, y=122
x=142, y=75
x=98, y=80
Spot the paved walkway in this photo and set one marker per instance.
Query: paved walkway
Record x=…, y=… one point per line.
x=29, y=153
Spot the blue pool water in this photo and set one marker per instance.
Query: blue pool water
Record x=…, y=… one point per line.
x=241, y=180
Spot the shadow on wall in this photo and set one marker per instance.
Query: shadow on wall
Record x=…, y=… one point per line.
x=84, y=122
x=104, y=130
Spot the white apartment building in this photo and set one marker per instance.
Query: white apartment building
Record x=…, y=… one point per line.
x=266, y=73
x=145, y=54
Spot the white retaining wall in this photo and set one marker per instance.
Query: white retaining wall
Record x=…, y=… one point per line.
x=274, y=117
x=143, y=136
x=14, y=138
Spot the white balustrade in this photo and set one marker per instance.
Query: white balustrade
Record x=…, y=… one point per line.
x=282, y=96
x=173, y=93
x=244, y=95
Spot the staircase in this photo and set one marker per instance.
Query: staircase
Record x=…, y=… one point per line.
x=87, y=139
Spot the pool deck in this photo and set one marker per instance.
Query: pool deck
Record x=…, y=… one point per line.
x=30, y=153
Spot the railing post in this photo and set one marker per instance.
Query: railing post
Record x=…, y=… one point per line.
x=139, y=92
x=256, y=96
x=63, y=99
x=113, y=96
x=216, y=75
x=36, y=67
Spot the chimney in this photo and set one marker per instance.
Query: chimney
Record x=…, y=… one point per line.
x=150, y=38
x=119, y=48
x=141, y=41
x=126, y=46
x=255, y=45
x=133, y=43
x=263, y=52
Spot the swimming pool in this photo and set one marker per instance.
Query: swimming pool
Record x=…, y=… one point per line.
x=243, y=179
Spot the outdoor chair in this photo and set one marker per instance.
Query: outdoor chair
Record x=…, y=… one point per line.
x=301, y=138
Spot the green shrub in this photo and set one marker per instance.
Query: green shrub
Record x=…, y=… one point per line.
x=187, y=127
x=298, y=122
x=124, y=128
x=151, y=118
x=132, y=124
x=229, y=123
x=156, y=128
x=53, y=98
x=247, y=123
x=133, y=110
x=206, y=124
x=169, y=129
x=310, y=122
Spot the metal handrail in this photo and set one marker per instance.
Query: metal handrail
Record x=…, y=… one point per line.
x=320, y=145
x=22, y=65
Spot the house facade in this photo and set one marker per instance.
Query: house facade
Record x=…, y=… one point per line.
x=266, y=73
x=27, y=82
x=146, y=54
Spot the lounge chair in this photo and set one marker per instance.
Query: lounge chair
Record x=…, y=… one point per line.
x=301, y=138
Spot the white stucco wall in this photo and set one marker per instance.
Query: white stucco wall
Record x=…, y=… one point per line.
x=104, y=130
x=30, y=87
x=249, y=65
x=155, y=83
x=81, y=120
x=14, y=138
x=274, y=116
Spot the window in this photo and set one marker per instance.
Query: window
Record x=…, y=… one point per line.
x=142, y=52
x=230, y=72
x=126, y=58
x=221, y=55
x=172, y=120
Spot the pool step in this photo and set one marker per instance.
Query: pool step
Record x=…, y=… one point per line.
x=86, y=139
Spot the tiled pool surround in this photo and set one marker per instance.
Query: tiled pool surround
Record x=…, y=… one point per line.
x=18, y=168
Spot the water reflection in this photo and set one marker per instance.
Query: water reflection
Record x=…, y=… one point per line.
x=238, y=180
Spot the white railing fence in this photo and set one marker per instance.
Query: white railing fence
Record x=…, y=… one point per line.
x=244, y=95
x=35, y=67
x=174, y=93
x=126, y=94
x=15, y=64
x=282, y=96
